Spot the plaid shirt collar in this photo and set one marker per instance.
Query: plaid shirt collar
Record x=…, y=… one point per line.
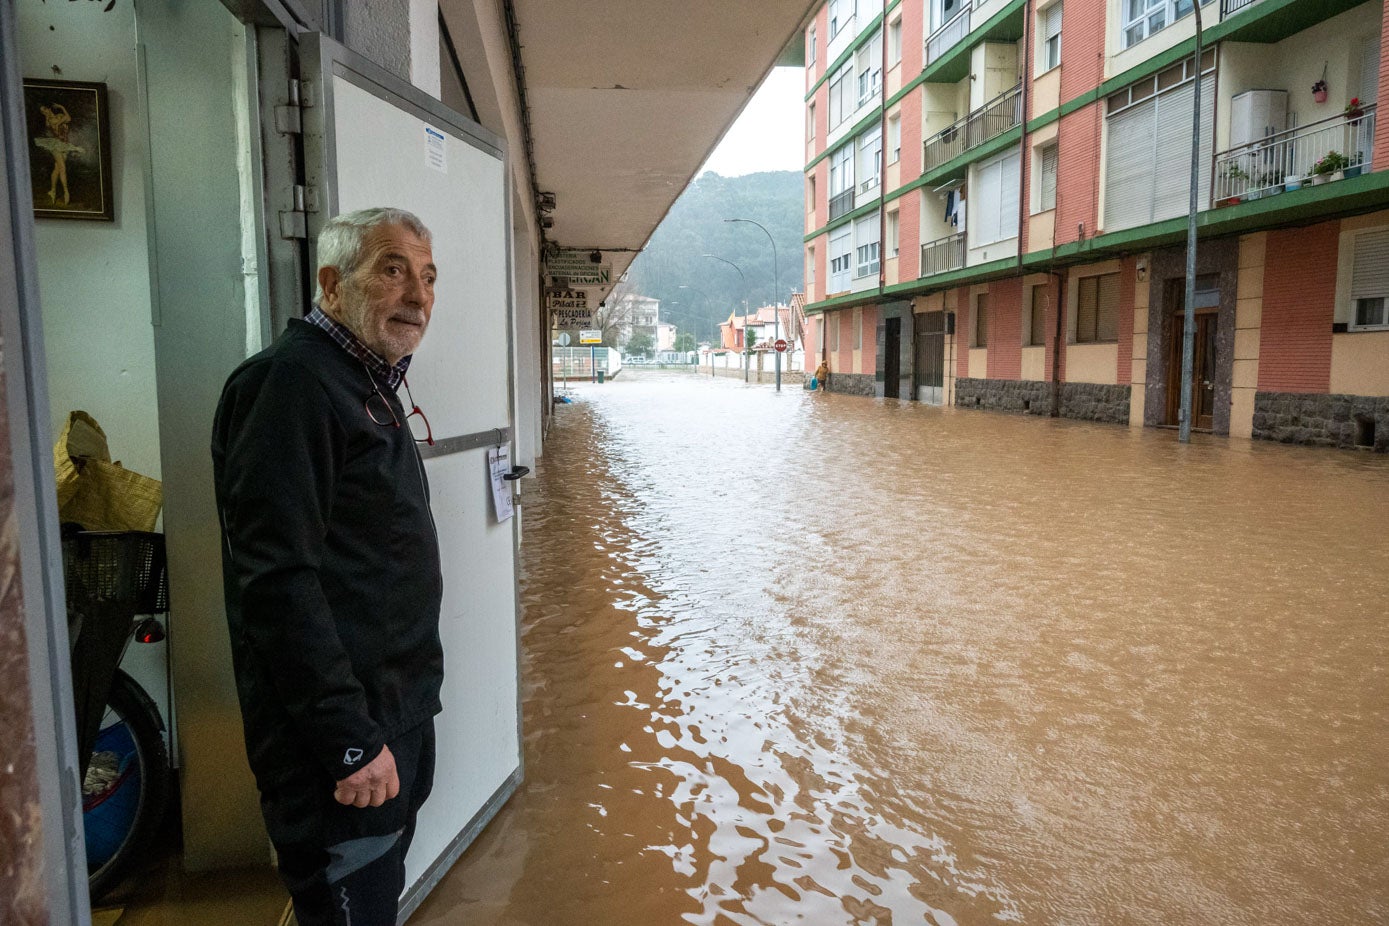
x=354, y=346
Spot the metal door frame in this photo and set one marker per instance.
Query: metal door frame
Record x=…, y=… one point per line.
x=40, y=574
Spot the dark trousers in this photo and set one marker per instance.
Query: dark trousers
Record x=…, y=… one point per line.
x=345, y=866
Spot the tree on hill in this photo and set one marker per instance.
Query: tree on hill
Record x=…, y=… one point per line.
x=696, y=226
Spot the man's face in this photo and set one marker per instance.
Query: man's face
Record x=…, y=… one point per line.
x=387, y=301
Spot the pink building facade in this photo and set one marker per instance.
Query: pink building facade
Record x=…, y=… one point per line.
x=998, y=195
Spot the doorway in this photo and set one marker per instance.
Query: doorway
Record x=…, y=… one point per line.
x=892, y=352
x=930, y=358
x=1207, y=306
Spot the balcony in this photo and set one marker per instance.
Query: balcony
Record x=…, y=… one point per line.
x=947, y=36
x=943, y=254
x=992, y=119
x=1230, y=7
x=1287, y=160
x=842, y=204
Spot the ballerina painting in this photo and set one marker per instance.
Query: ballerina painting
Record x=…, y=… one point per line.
x=70, y=154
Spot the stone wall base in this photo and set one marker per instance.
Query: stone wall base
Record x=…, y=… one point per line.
x=1082, y=401
x=1323, y=420
x=853, y=384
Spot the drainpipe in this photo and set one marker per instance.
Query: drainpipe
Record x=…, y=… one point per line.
x=1058, y=343
x=1024, y=87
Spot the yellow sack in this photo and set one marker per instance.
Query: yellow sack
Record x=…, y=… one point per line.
x=95, y=492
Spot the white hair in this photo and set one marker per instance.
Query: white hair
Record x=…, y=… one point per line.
x=340, y=242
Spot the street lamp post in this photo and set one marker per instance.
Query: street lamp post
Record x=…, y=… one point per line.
x=1189, y=311
x=745, y=308
x=776, y=296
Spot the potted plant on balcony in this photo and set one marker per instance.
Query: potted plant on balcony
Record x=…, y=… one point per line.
x=1272, y=181
x=1236, y=184
x=1354, y=109
x=1319, y=89
x=1330, y=166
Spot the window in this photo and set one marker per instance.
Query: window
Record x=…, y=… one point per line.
x=994, y=206
x=893, y=232
x=810, y=122
x=1036, y=328
x=841, y=181
x=894, y=138
x=1051, y=36
x=858, y=329
x=1148, y=124
x=810, y=265
x=870, y=69
x=841, y=255
x=1045, y=161
x=832, y=331
x=894, y=42
x=870, y=158
x=841, y=14
x=1369, y=282
x=979, y=333
x=809, y=194
x=1143, y=18
x=1097, y=309
x=810, y=47
x=840, y=108
x=867, y=238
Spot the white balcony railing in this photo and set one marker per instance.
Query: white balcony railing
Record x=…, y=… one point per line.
x=947, y=36
x=943, y=254
x=988, y=121
x=1230, y=7
x=1286, y=160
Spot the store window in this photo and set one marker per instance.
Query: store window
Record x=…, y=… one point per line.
x=1035, y=329
x=1097, y=309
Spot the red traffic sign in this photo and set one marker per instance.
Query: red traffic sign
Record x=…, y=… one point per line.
x=781, y=345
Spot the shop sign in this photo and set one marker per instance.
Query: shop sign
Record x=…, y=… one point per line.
x=569, y=309
x=578, y=269
x=591, y=337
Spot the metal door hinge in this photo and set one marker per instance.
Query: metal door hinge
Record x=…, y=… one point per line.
x=288, y=118
x=294, y=224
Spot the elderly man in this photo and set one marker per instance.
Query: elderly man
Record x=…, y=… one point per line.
x=331, y=570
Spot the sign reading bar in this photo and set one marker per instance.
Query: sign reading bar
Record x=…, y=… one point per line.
x=590, y=337
x=569, y=308
x=578, y=269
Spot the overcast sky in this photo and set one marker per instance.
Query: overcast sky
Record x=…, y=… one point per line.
x=769, y=135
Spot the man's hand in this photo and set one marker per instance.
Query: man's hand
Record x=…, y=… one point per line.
x=371, y=785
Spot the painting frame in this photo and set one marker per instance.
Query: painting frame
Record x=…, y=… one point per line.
x=68, y=128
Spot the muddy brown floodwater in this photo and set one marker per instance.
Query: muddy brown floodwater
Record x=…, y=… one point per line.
x=816, y=659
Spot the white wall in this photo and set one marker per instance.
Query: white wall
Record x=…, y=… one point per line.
x=94, y=277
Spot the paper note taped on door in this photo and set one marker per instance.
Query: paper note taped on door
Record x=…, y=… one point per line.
x=435, y=154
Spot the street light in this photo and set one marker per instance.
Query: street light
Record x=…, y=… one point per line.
x=745, y=307
x=776, y=295
x=707, y=303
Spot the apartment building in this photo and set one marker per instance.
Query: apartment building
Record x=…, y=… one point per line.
x=997, y=200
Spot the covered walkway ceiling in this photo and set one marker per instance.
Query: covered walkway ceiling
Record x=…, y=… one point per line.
x=629, y=97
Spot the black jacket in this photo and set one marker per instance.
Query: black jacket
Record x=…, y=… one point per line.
x=330, y=560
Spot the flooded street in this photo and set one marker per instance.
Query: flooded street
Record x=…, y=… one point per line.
x=817, y=659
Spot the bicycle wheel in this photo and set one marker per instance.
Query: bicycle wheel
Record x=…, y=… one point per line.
x=127, y=785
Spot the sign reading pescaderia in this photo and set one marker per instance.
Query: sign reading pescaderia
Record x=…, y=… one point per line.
x=577, y=268
x=569, y=309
